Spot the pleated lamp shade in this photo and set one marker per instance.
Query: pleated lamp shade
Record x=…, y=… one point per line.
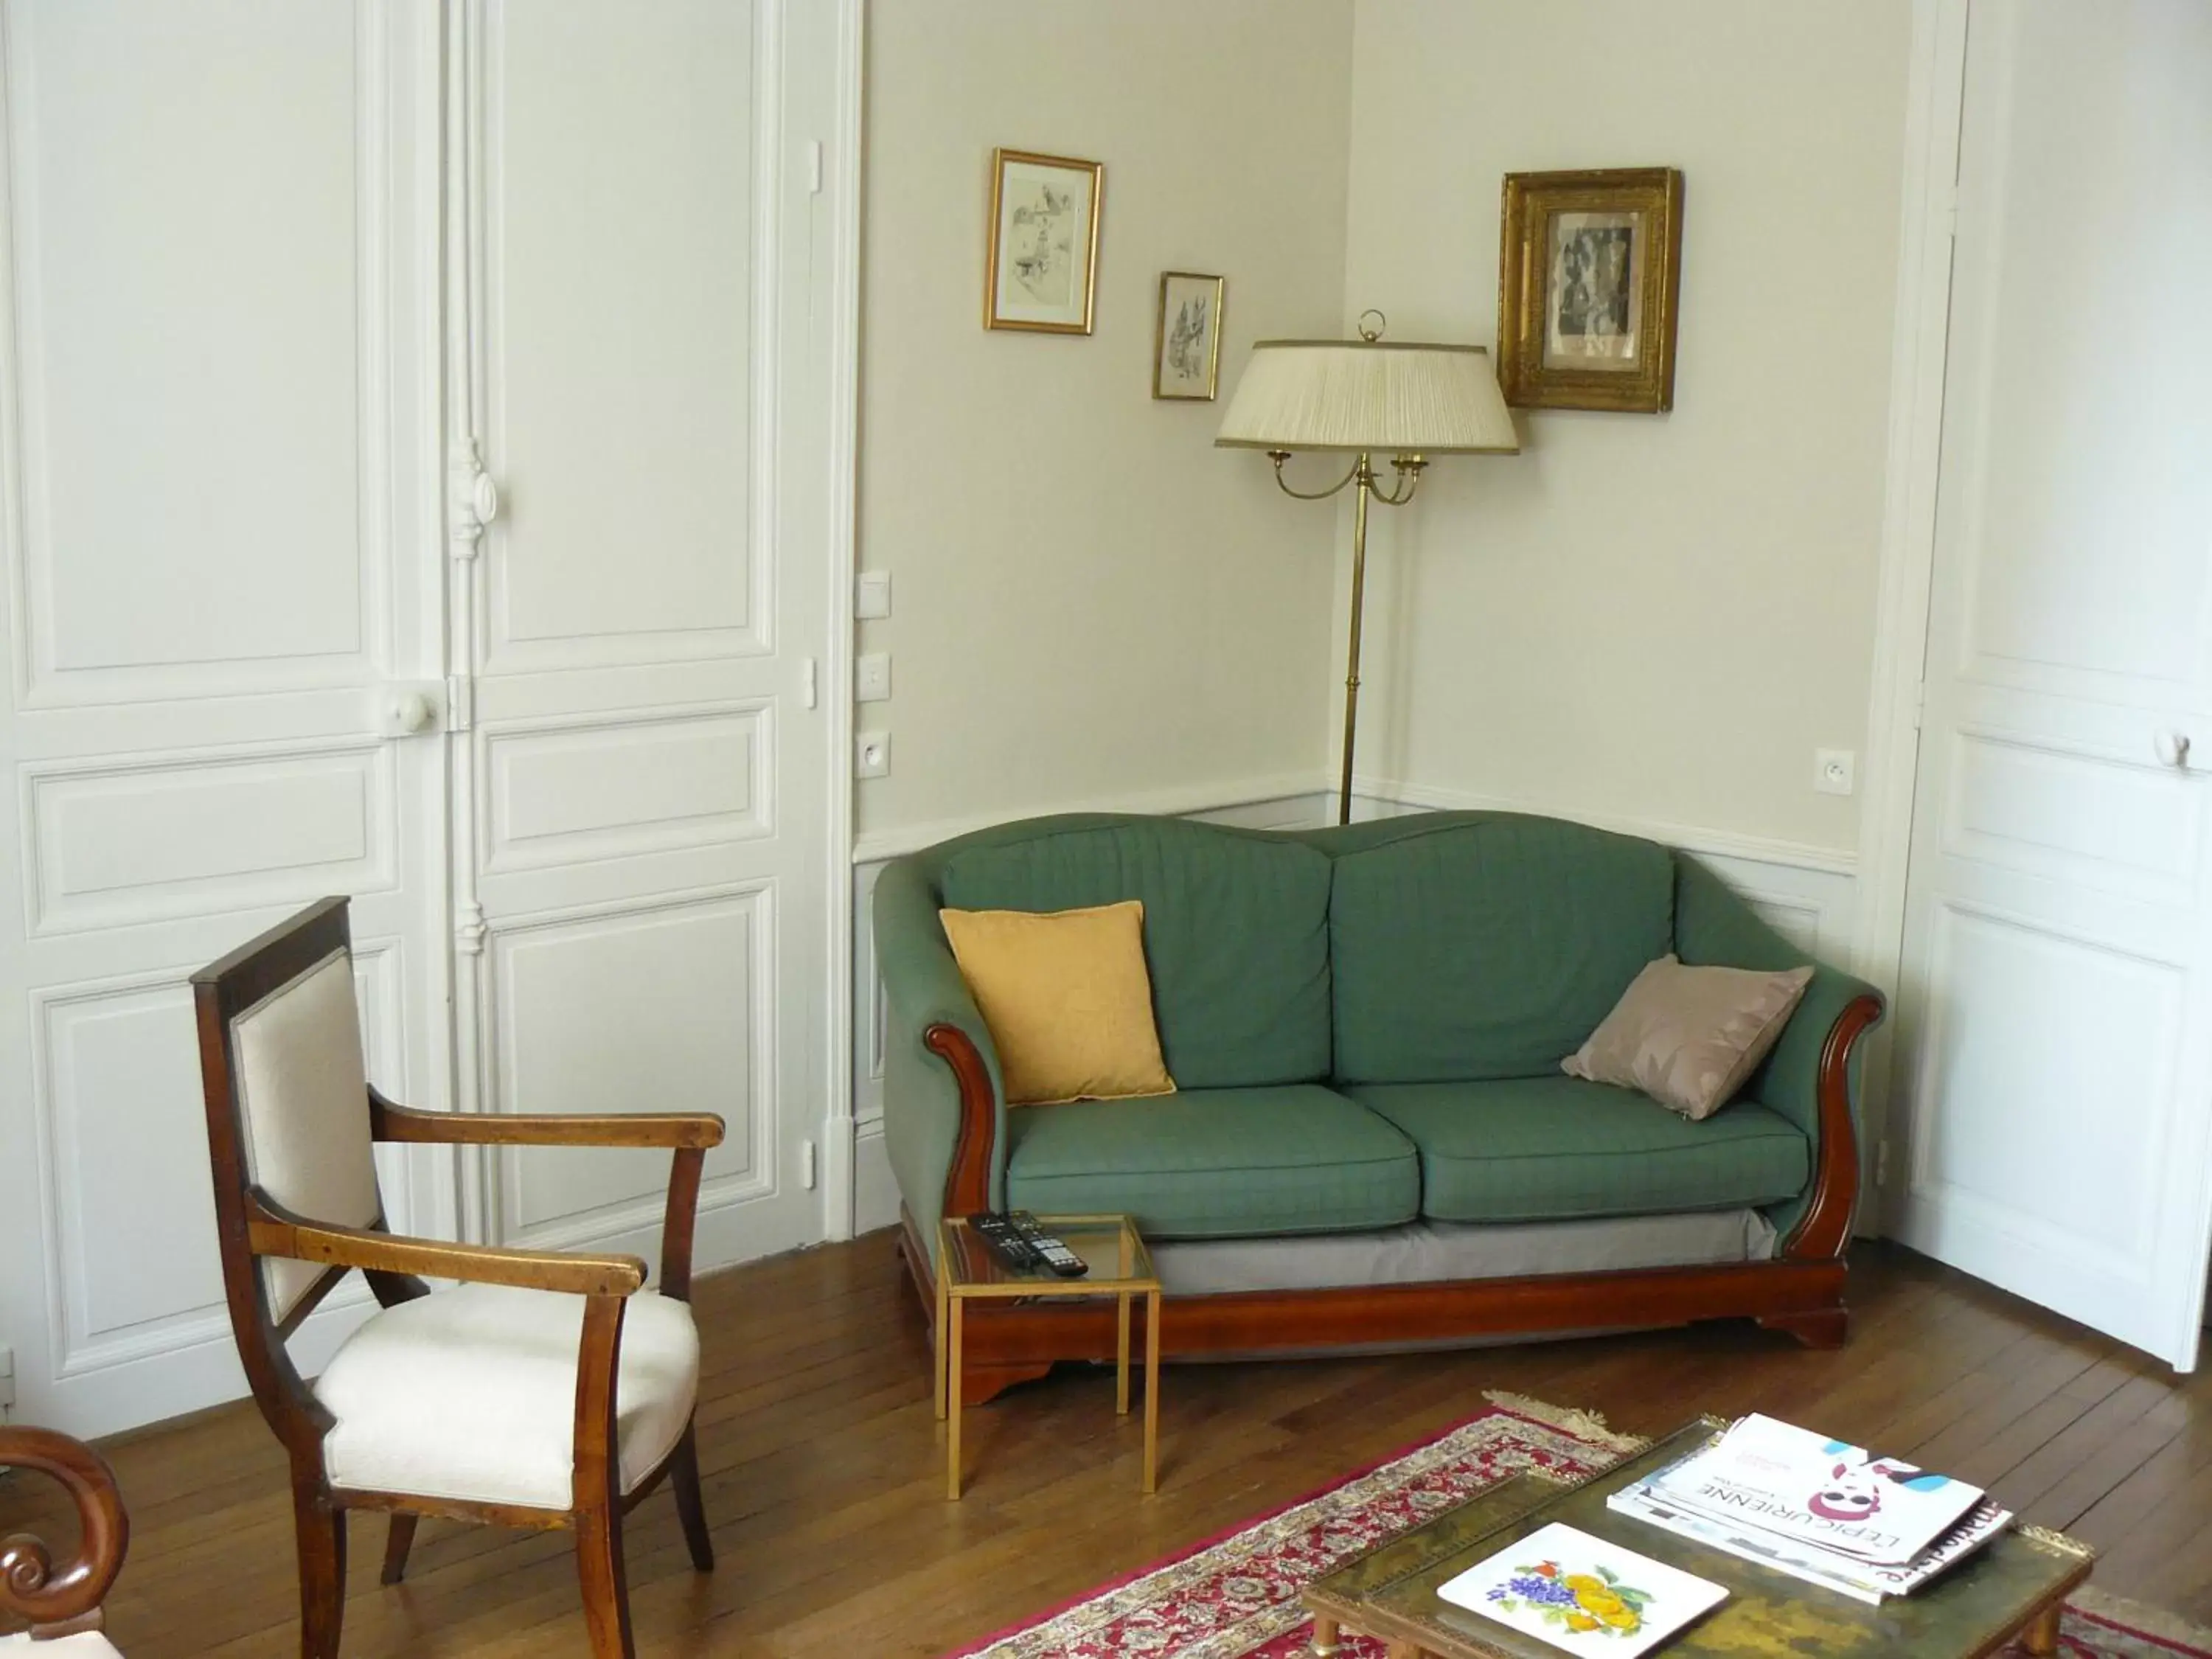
x=1378, y=396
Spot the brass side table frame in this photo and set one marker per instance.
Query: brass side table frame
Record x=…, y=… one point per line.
x=1121, y=1267
x=2013, y=1587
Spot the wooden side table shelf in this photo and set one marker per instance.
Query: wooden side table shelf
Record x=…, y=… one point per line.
x=1121, y=1267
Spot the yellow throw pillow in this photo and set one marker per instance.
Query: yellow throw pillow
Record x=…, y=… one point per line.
x=1068, y=999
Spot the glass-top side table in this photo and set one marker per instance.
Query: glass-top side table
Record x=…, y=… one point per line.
x=1121, y=1267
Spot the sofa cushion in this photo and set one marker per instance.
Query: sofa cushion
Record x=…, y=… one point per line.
x=1236, y=932
x=1546, y=1149
x=1216, y=1162
x=1488, y=948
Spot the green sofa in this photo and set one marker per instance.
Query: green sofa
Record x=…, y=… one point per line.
x=1372, y=1143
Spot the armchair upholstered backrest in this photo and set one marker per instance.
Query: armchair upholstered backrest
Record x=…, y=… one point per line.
x=303, y=1103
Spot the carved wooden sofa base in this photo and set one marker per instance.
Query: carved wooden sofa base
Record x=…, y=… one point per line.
x=1009, y=1342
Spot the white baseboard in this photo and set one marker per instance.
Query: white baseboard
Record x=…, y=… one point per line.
x=875, y=1193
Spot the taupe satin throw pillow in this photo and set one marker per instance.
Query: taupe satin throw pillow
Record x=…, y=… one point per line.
x=1689, y=1036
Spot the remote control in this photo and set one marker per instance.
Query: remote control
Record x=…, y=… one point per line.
x=1054, y=1255
x=1006, y=1242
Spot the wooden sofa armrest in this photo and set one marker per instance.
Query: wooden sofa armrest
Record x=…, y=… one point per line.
x=275, y=1230
x=62, y=1599
x=968, y=1178
x=1825, y=1228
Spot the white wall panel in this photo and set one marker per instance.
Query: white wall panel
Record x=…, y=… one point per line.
x=659, y=1008
x=112, y=843
x=610, y=787
x=194, y=192
x=620, y=255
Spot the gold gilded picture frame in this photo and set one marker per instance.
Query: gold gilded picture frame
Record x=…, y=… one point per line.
x=1041, y=270
x=1589, y=269
x=1187, y=338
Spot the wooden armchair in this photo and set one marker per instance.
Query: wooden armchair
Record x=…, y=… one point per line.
x=62, y=1604
x=546, y=1390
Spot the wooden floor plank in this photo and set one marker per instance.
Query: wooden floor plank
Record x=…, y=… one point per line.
x=823, y=1468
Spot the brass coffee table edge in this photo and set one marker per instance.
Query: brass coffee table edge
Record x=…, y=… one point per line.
x=948, y=1359
x=1407, y=1636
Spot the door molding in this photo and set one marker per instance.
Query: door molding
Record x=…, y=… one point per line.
x=841, y=179
x=1934, y=107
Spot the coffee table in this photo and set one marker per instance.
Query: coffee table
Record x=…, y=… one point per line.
x=2014, y=1586
x=1121, y=1267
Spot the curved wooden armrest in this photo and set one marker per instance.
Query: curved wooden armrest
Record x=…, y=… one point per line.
x=392, y=1122
x=275, y=1231
x=59, y=1600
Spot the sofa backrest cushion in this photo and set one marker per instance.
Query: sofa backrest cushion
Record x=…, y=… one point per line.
x=1489, y=947
x=1235, y=931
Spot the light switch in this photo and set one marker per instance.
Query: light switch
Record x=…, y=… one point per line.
x=1835, y=771
x=871, y=755
x=872, y=677
x=871, y=595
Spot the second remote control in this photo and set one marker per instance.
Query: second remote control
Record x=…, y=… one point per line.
x=1056, y=1256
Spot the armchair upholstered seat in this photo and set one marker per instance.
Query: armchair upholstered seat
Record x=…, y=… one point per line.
x=469, y=1395
x=547, y=1388
x=85, y=1644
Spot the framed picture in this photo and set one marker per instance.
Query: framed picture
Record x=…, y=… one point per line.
x=1588, y=266
x=1044, y=242
x=1186, y=339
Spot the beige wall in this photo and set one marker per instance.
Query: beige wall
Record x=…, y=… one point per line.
x=1091, y=603
x=1649, y=618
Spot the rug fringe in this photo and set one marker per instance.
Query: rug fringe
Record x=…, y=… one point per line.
x=1584, y=1425
x=2143, y=1617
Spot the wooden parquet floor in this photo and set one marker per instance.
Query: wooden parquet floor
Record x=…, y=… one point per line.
x=825, y=1470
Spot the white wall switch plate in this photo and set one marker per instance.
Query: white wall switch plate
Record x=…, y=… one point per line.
x=1835, y=771
x=871, y=595
x=872, y=677
x=871, y=755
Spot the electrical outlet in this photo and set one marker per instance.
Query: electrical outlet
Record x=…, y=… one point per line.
x=871, y=755
x=871, y=595
x=1835, y=771
x=872, y=677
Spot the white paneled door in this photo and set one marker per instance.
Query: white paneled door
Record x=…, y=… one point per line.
x=354, y=351
x=2057, y=1029
x=219, y=358
x=645, y=878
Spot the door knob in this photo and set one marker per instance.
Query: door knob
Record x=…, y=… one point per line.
x=407, y=709
x=2173, y=750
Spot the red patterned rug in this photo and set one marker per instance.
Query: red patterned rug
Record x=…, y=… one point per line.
x=1237, y=1596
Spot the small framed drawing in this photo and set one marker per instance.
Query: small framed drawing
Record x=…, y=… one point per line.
x=1044, y=260
x=1588, y=266
x=1186, y=339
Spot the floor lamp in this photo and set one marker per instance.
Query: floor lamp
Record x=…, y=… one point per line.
x=1364, y=397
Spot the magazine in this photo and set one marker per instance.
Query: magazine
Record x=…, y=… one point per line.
x=1773, y=1478
x=1860, y=1580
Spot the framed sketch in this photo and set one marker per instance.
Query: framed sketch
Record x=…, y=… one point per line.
x=1044, y=242
x=1186, y=339
x=1588, y=266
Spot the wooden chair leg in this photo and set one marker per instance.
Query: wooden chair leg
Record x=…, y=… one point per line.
x=691, y=1508
x=397, y=1543
x=605, y=1582
x=322, y=1533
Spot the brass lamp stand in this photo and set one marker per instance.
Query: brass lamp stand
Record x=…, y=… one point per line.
x=1363, y=478
x=1366, y=398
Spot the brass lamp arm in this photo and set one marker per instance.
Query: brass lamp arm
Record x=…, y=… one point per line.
x=1280, y=456
x=1408, y=468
